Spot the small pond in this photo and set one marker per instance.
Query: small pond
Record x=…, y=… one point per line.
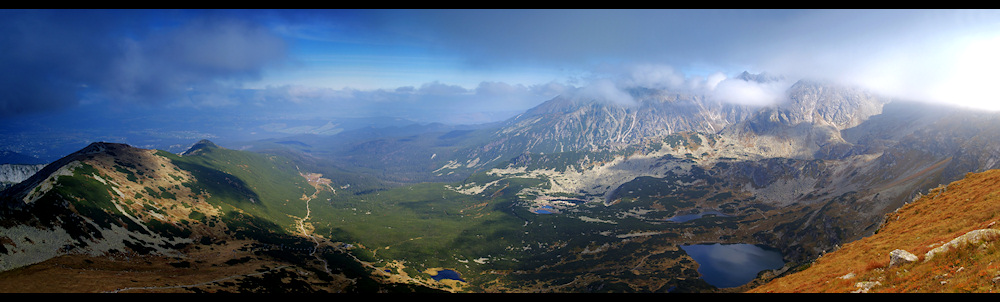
x=732, y=265
x=447, y=274
x=543, y=210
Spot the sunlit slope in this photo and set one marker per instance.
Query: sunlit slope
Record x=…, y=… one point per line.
x=931, y=223
x=211, y=220
x=269, y=187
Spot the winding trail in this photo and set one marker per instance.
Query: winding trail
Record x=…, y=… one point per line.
x=316, y=181
x=319, y=184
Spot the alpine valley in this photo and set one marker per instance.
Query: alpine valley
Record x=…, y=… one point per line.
x=575, y=195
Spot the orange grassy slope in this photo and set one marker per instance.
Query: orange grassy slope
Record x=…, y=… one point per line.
x=932, y=221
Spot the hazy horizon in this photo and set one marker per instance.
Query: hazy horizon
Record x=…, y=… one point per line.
x=93, y=68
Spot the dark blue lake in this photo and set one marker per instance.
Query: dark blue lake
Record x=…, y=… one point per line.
x=447, y=274
x=732, y=265
x=541, y=211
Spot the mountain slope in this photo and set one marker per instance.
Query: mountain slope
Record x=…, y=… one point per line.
x=928, y=228
x=212, y=220
x=803, y=176
x=576, y=195
x=809, y=120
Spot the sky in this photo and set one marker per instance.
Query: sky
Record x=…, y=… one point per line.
x=472, y=66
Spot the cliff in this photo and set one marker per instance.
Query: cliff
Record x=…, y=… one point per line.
x=11, y=174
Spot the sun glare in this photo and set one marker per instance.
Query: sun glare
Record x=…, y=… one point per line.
x=975, y=72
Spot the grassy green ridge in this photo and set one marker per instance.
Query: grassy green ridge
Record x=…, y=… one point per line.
x=267, y=187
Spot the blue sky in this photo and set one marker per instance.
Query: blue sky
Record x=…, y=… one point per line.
x=470, y=66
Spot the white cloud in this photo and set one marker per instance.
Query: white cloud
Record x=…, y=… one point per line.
x=941, y=56
x=654, y=76
x=714, y=79
x=717, y=85
x=738, y=91
x=606, y=90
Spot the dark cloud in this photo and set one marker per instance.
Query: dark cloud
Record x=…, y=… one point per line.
x=53, y=59
x=46, y=56
x=197, y=55
x=56, y=58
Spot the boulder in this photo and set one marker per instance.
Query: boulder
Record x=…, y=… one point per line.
x=898, y=256
x=865, y=286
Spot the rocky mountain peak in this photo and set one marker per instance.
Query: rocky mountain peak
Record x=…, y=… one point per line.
x=109, y=153
x=99, y=147
x=841, y=106
x=759, y=77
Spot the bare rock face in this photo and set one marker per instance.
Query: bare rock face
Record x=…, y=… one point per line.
x=842, y=107
x=809, y=121
x=14, y=173
x=820, y=104
x=576, y=123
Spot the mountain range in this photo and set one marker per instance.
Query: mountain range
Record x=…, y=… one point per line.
x=575, y=195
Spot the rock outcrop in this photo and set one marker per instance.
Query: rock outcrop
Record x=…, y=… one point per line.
x=897, y=257
x=11, y=174
x=971, y=237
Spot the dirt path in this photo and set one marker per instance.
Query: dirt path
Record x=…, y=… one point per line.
x=317, y=182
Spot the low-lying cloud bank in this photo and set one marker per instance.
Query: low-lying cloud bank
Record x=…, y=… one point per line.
x=763, y=90
x=59, y=59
